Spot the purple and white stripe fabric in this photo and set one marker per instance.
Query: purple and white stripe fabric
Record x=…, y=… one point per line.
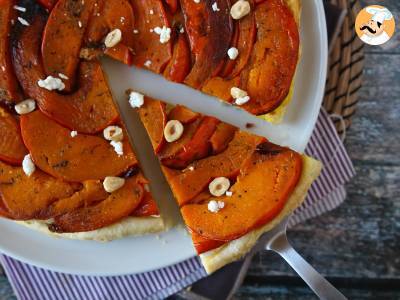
x=33, y=283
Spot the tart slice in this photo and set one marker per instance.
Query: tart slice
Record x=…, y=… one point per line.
x=67, y=168
x=231, y=186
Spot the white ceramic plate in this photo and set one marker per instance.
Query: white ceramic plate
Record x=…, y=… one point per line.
x=140, y=254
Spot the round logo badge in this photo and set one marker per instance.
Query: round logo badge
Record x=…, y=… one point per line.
x=375, y=25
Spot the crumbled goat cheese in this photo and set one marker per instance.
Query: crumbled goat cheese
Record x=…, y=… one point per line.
x=215, y=206
x=215, y=6
x=51, y=83
x=16, y=7
x=147, y=63
x=118, y=147
x=23, y=21
x=164, y=33
x=74, y=133
x=28, y=166
x=136, y=99
x=62, y=76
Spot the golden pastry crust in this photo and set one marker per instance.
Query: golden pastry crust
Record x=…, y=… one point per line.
x=127, y=227
x=217, y=258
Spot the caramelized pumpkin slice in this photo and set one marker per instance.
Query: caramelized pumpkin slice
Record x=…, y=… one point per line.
x=196, y=148
x=4, y=211
x=269, y=73
x=171, y=149
x=48, y=4
x=9, y=92
x=147, y=46
x=247, y=34
x=260, y=193
x=147, y=208
x=172, y=5
x=27, y=197
x=92, y=192
x=63, y=36
x=220, y=87
x=222, y=137
x=88, y=110
x=182, y=114
x=209, y=35
x=109, y=15
x=187, y=184
x=154, y=117
x=179, y=66
x=79, y=158
x=203, y=244
x=117, y=206
x=12, y=149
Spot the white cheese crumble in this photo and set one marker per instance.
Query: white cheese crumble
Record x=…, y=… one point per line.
x=51, y=83
x=239, y=95
x=20, y=8
x=215, y=206
x=23, y=21
x=151, y=12
x=229, y=193
x=191, y=168
x=215, y=6
x=136, y=99
x=196, y=1
x=147, y=63
x=80, y=24
x=28, y=166
x=118, y=147
x=135, y=31
x=182, y=30
x=62, y=76
x=233, y=53
x=164, y=33
x=74, y=133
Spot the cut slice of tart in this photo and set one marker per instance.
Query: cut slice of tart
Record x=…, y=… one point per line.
x=231, y=186
x=81, y=182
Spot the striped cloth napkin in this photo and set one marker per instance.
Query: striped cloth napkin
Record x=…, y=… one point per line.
x=33, y=283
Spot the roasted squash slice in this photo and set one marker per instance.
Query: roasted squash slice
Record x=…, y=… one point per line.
x=89, y=110
x=148, y=51
x=79, y=158
x=115, y=207
x=9, y=91
x=12, y=149
x=209, y=35
x=269, y=73
x=92, y=192
x=28, y=197
x=187, y=184
x=260, y=193
x=63, y=37
x=154, y=117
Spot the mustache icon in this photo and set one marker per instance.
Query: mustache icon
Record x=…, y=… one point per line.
x=368, y=28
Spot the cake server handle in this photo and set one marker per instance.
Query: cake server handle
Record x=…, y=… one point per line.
x=321, y=287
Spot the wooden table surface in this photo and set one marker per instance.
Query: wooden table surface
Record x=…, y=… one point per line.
x=356, y=246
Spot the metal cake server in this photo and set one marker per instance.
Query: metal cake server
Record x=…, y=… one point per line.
x=276, y=240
